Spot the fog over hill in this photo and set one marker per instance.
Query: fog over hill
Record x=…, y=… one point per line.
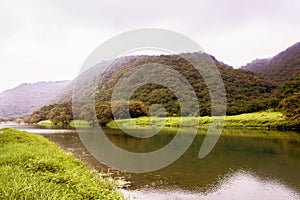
x=28, y=97
x=280, y=68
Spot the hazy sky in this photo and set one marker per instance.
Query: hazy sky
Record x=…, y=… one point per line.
x=50, y=39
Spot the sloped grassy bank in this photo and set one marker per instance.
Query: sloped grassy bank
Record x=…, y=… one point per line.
x=31, y=167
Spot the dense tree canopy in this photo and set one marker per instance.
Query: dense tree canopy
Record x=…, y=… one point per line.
x=289, y=94
x=291, y=107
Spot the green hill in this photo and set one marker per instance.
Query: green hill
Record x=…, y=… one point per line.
x=245, y=91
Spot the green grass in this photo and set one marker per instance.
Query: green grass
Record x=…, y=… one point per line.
x=270, y=120
x=46, y=123
x=80, y=124
x=73, y=124
x=259, y=119
x=32, y=167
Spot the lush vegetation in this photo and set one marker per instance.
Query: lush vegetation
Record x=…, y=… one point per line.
x=289, y=94
x=31, y=167
x=291, y=107
x=60, y=115
x=245, y=91
x=46, y=123
x=267, y=120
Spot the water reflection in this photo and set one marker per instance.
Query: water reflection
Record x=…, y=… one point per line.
x=274, y=158
x=238, y=185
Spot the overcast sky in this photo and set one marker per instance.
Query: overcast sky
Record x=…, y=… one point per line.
x=50, y=39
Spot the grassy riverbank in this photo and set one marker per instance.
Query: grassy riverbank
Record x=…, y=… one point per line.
x=73, y=124
x=267, y=120
x=32, y=167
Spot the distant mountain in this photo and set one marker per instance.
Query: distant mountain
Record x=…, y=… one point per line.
x=26, y=98
x=257, y=65
x=280, y=68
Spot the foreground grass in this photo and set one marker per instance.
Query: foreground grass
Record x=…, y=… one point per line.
x=31, y=167
x=268, y=120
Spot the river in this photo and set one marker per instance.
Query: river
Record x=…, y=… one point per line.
x=242, y=165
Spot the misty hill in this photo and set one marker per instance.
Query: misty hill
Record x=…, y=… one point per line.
x=245, y=91
x=280, y=68
x=26, y=98
x=88, y=78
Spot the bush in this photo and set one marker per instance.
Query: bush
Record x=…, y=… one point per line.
x=291, y=107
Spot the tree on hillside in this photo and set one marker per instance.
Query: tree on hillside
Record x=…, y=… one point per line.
x=105, y=113
x=289, y=94
x=61, y=114
x=291, y=107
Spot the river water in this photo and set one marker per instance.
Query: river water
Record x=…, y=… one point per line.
x=242, y=165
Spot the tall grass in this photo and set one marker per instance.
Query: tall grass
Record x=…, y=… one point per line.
x=31, y=167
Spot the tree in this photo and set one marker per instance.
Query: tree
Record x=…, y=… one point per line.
x=273, y=103
x=291, y=107
x=137, y=109
x=35, y=119
x=105, y=113
x=61, y=114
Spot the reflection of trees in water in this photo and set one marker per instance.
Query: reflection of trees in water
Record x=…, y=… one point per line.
x=267, y=158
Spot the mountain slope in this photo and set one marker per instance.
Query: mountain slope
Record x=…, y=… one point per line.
x=280, y=68
x=88, y=78
x=245, y=91
x=242, y=87
x=26, y=98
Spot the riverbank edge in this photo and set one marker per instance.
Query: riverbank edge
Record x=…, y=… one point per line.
x=258, y=120
x=33, y=167
x=270, y=120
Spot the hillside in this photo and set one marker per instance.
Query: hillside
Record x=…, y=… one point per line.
x=26, y=98
x=88, y=78
x=246, y=92
x=242, y=88
x=280, y=68
x=289, y=94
